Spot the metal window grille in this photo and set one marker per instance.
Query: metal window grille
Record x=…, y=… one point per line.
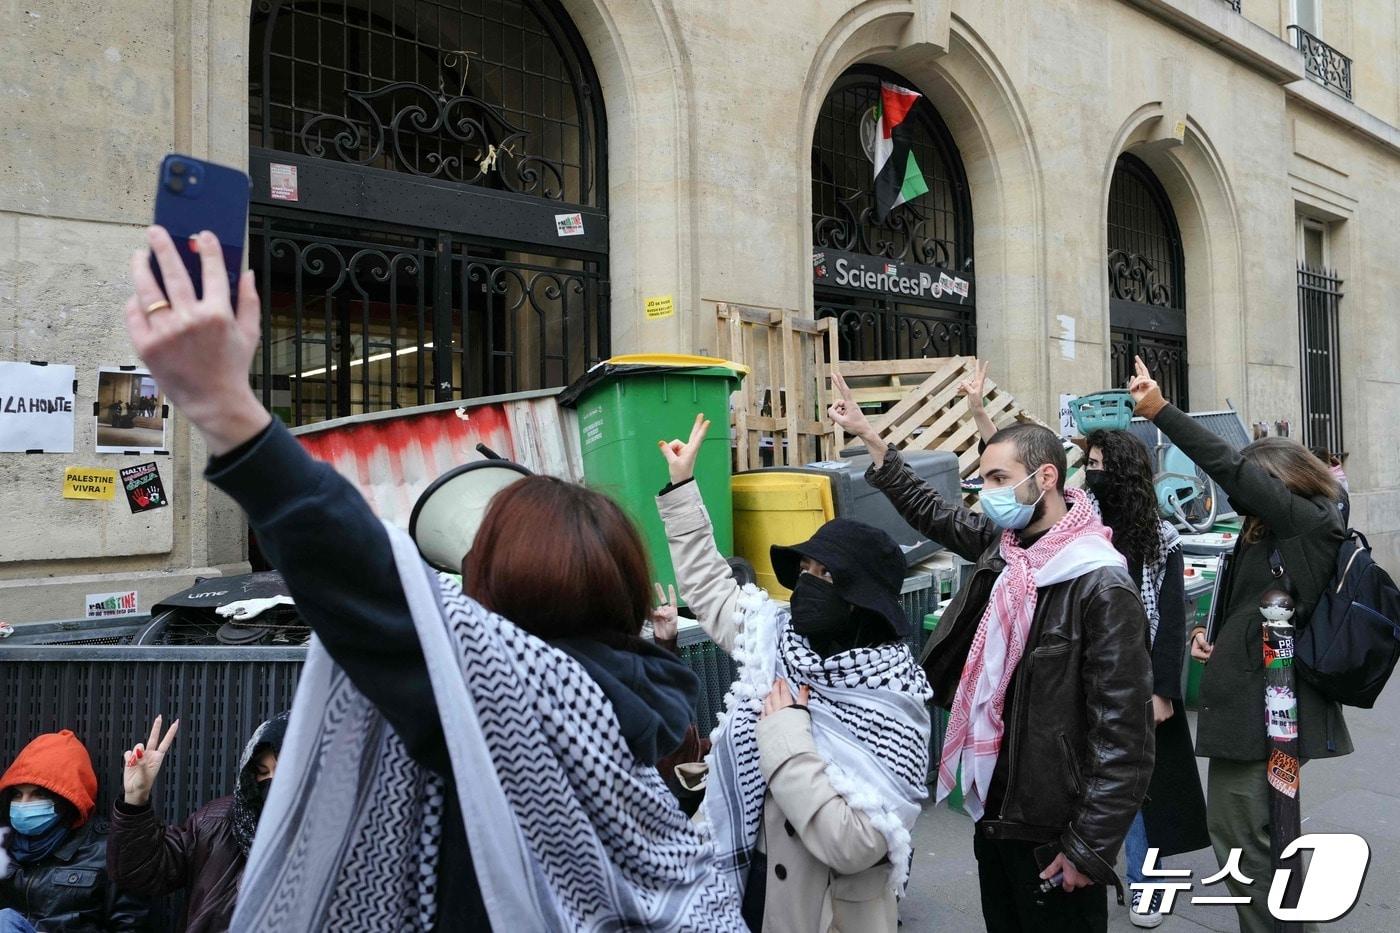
x=478, y=114
x=1319, y=297
x=375, y=319
x=1146, y=276
x=878, y=329
x=934, y=229
x=1324, y=64
x=431, y=88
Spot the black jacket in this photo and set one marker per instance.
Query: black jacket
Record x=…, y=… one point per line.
x=1077, y=752
x=1308, y=534
x=68, y=890
x=336, y=557
x=200, y=856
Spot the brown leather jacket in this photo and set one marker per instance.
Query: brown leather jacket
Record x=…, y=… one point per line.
x=1079, y=737
x=201, y=856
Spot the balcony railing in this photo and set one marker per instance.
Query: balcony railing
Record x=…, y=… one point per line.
x=1324, y=64
x=1233, y=4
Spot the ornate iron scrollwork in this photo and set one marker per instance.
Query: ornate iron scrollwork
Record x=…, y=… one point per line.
x=1134, y=278
x=486, y=142
x=902, y=236
x=1323, y=63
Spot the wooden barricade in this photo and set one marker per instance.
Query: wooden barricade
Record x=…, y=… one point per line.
x=926, y=410
x=783, y=400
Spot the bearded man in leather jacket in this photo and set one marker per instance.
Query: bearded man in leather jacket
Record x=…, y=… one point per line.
x=1041, y=659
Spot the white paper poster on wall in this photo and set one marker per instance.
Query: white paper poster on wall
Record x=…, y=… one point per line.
x=1068, y=428
x=36, y=407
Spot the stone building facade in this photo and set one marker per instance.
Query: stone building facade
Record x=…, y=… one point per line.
x=487, y=193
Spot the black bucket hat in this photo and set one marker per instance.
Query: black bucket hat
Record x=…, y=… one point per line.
x=865, y=563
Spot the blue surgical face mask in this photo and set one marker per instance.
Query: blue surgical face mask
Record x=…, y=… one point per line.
x=34, y=818
x=1005, y=510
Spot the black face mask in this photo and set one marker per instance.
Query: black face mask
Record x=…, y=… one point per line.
x=1095, y=481
x=818, y=611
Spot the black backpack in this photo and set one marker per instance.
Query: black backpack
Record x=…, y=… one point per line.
x=1349, y=647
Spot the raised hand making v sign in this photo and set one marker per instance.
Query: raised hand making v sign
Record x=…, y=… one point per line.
x=143, y=763
x=975, y=389
x=680, y=456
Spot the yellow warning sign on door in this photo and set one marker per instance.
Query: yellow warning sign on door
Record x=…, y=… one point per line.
x=659, y=307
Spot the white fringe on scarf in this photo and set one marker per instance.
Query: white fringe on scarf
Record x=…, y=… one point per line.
x=883, y=687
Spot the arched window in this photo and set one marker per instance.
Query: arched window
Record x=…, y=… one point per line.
x=1147, y=280
x=899, y=279
x=429, y=214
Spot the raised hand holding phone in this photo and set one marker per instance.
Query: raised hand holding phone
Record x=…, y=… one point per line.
x=199, y=349
x=193, y=196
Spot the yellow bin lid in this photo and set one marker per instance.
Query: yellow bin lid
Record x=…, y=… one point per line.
x=674, y=359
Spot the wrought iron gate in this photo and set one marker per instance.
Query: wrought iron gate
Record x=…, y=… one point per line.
x=933, y=231
x=429, y=216
x=1147, y=282
x=1319, y=297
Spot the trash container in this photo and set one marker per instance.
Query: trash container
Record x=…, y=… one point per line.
x=855, y=498
x=940, y=729
x=773, y=507
x=628, y=403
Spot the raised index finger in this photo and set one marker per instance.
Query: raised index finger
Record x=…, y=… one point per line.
x=155, y=732
x=699, y=429
x=178, y=287
x=840, y=382
x=214, y=269
x=1142, y=370
x=169, y=736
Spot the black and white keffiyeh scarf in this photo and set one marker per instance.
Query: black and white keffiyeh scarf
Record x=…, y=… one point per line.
x=1154, y=575
x=247, y=793
x=870, y=722
x=568, y=831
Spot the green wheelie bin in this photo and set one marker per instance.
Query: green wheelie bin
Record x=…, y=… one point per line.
x=629, y=403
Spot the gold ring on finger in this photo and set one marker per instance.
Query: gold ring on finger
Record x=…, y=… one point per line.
x=155, y=306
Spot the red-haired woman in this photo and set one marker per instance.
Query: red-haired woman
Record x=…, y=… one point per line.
x=444, y=769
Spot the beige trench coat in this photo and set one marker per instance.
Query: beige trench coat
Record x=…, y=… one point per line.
x=827, y=869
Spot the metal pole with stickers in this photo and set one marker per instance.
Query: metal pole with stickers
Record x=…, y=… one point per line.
x=1284, y=772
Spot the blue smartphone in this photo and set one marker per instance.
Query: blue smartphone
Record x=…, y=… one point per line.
x=192, y=196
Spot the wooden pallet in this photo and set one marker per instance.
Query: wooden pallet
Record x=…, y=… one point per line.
x=926, y=411
x=782, y=403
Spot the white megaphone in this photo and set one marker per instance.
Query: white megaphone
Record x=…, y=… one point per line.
x=447, y=515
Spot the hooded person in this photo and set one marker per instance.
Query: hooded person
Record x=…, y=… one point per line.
x=58, y=879
x=205, y=855
x=818, y=763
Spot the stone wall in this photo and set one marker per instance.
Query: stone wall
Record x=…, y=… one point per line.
x=710, y=112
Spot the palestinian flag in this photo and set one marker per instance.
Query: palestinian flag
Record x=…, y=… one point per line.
x=898, y=178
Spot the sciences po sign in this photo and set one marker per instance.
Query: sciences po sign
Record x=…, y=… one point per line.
x=887, y=277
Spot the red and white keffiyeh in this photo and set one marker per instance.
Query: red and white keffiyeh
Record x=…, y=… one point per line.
x=1077, y=544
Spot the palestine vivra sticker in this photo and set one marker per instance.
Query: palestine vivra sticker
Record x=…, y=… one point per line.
x=143, y=488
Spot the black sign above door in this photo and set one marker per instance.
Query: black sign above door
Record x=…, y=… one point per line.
x=834, y=268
